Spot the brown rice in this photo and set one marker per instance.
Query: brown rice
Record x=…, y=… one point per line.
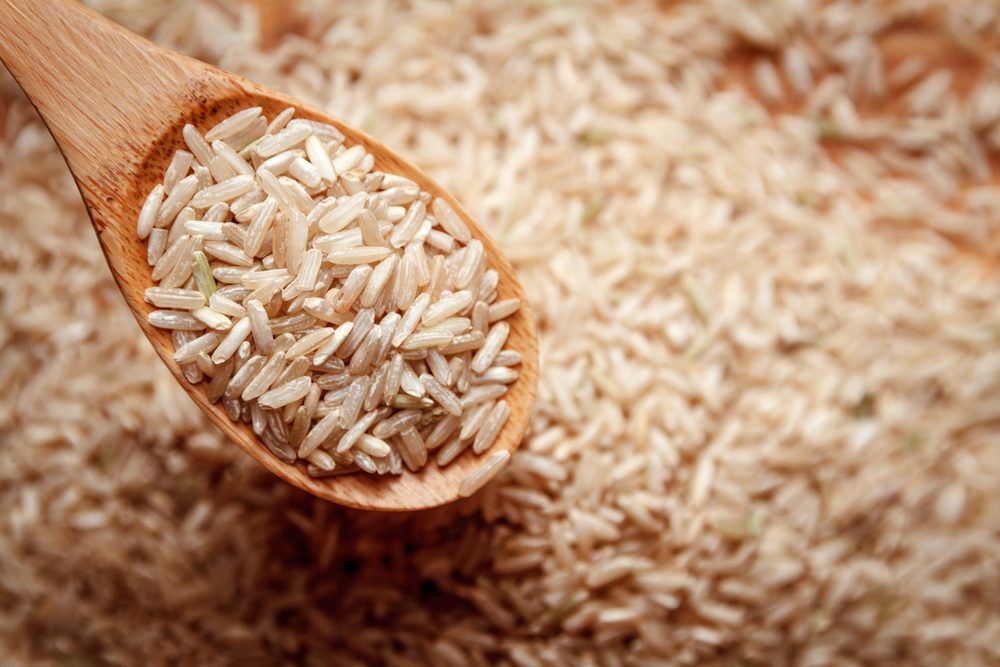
x=766, y=424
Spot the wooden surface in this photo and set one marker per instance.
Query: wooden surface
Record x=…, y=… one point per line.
x=115, y=104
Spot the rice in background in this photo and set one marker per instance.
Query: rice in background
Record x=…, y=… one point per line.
x=759, y=242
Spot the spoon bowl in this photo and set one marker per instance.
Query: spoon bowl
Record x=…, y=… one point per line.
x=116, y=105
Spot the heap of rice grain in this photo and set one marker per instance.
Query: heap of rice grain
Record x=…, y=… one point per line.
x=766, y=428
x=352, y=328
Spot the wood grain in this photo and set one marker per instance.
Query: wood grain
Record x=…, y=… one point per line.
x=116, y=104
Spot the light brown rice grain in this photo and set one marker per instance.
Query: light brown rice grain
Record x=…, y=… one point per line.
x=479, y=477
x=491, y=426
x=451, y=450
x=237, y=334
x=494, y=342
x=286, y=393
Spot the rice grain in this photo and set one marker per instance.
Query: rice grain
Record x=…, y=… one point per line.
x=482, y=475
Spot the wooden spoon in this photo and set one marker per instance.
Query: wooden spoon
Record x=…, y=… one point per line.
x=116, y=104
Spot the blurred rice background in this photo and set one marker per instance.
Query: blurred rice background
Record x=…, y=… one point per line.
x=760, y=239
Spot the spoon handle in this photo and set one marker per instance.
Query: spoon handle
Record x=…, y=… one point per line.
x=102, y=91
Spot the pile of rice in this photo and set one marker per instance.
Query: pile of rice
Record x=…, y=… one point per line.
x=299, y=258
x=760, y=242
